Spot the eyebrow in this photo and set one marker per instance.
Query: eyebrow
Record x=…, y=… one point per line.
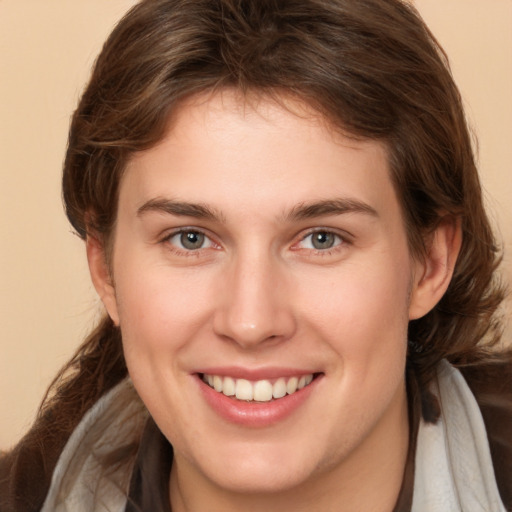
x=300, y=212
x=330, y=207
x=179, y=208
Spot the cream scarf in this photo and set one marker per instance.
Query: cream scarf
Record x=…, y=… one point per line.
x=454, y=471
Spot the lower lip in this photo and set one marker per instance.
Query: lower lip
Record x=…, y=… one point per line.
x=256, y=414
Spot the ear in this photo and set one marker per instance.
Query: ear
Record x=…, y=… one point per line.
x=433, y=275
x=101, y=276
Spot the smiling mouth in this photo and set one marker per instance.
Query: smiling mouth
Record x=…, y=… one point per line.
x=257, y=391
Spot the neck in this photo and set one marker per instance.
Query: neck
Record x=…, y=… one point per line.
x=369, y=479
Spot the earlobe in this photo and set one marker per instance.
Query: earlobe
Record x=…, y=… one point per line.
x=101, y=276
x=433, y=275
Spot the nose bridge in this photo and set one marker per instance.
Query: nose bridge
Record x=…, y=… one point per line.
x=254, y=307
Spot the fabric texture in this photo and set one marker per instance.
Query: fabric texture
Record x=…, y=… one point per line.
x=107, y=431
x=453, y=463
x=454, y=469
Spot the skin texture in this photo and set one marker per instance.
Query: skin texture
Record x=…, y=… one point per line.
x=258, y=294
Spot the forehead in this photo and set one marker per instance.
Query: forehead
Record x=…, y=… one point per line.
x=233, y=152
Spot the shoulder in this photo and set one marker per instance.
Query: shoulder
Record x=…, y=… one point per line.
x=25, y=473
x=94, y=460
x=95, y=465
x=491, y=385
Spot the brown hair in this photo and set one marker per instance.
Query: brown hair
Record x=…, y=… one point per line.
x=371, y=67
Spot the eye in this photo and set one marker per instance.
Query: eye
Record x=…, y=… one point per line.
x=190, y=240
x=321, y=241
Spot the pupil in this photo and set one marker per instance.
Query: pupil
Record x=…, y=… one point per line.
x=323, y=240
x=192, y=240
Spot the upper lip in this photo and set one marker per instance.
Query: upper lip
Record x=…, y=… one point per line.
x=255, y=374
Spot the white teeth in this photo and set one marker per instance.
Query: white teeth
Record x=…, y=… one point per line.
x=217, y=383
x=263, y=391
x=259, y=391
x=291, y=387
x=279, y=388
x=244, y=390
x=229, y=386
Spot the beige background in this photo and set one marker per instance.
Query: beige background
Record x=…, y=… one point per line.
x=46, y=50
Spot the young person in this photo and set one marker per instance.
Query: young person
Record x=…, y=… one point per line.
x=284, y=221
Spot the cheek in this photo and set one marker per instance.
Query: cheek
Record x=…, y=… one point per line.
x=160, y=311
x=161, y=316
x=363, y=314
x=361, y=318
x=360, y=295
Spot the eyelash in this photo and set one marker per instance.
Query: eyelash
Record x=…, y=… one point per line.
x=340, y=242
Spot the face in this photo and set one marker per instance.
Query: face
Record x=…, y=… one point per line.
x=263, y=284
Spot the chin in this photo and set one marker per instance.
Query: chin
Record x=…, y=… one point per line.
x=260, y=473
x=262, y=481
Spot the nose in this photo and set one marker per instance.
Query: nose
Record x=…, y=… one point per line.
x=254, y=305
